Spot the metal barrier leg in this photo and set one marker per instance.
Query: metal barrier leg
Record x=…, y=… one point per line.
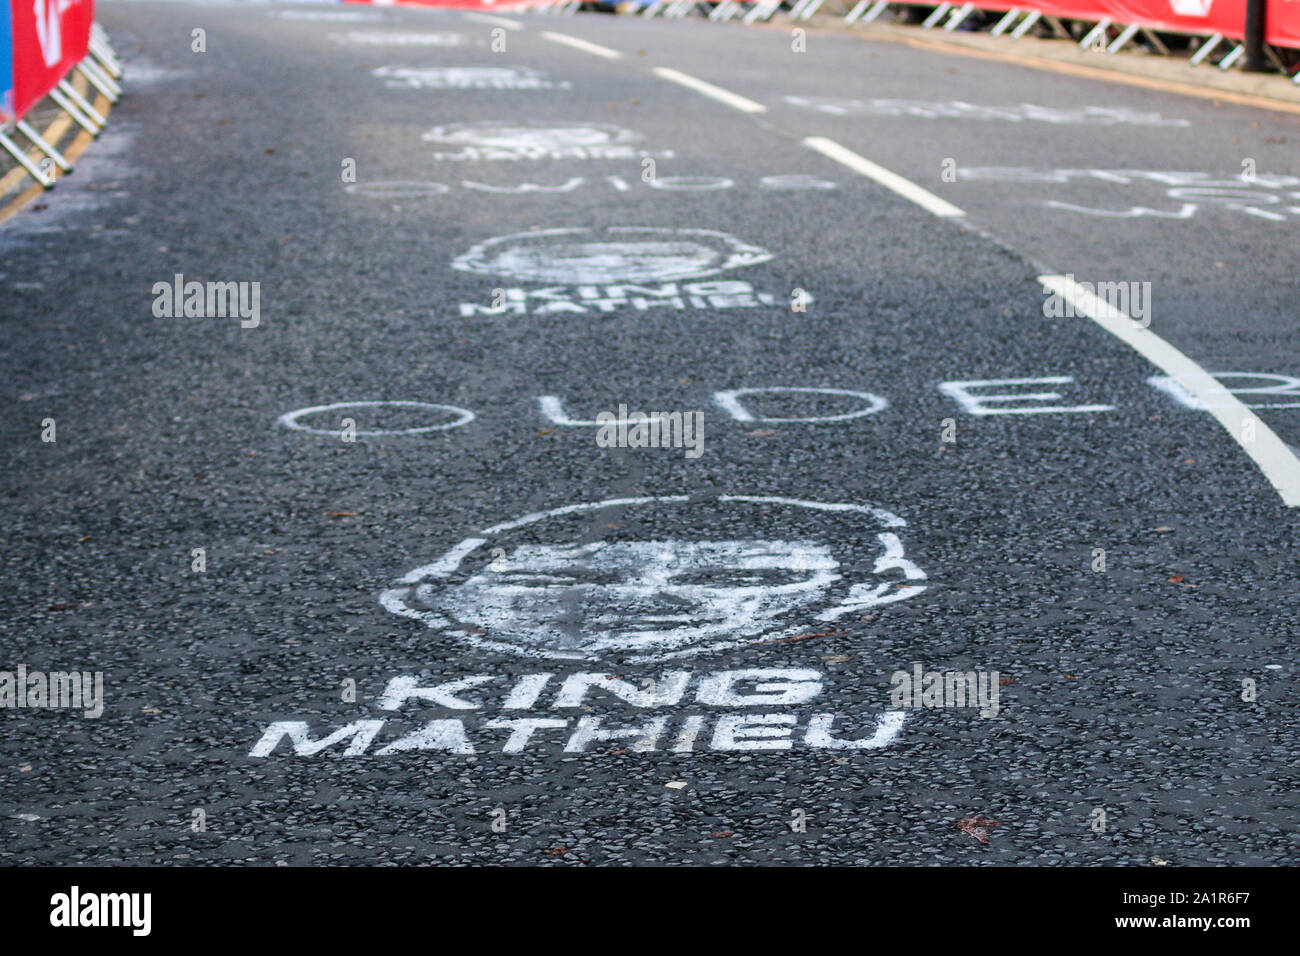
x=1233, y=57
x=25, y=161
x=1125, y=35
x=1057, y=27
x=85, y=122
x=859, y=8
x=937, y=14
x=104, y=54
x=82, y=103
x=957, y=16
x=1008, y=18
x=880, y=7
x=1091, y=37
x=1206, y=49
x=107, y=88
x=1154, y=39
x=55, y=156
x=1026, y=24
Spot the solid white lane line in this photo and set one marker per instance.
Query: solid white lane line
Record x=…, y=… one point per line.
x=891, y=181
x=593, y=48
x=734, y=100
x=1274, y=458
x=498, y=21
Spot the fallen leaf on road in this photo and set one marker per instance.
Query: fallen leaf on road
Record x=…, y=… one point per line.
x=975, y=826
x=675, y=784
x=796, y=638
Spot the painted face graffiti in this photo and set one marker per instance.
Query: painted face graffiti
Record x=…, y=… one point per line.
x=616, y=254
x=957, y=109
x=587, y=600
x=383, y=38
x=466, y=78
x=605, y=270
x=1272, y=197
x=516, y=141
x=647, y=597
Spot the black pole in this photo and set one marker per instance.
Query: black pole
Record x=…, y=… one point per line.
x=1255, y=16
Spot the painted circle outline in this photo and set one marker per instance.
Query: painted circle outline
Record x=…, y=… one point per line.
x=289, y=420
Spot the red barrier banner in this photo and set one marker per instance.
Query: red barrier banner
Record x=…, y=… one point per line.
x=50, y=37
x=1182, y=16
x=1195, y=17
x=1282, y=27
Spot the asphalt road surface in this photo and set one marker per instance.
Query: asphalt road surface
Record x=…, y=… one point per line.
x=464, y=629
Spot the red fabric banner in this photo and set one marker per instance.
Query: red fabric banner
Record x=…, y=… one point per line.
x=1196, y=17
x=50, y=37
x=1282, y=26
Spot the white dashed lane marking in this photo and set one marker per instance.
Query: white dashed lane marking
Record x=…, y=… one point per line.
x=497, y=21
x=1275, y=459
x=734, y=100
x=595, y=49
x=890, y=180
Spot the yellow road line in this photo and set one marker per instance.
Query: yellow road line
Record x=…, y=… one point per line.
x=52, y=134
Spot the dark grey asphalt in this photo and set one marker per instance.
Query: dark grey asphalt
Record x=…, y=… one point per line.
x=1123, y=688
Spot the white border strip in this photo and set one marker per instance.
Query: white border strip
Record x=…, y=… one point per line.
x=891, y=181
x=734, y=100
x=498, y=21
x=1278, y=463
x=595, y=49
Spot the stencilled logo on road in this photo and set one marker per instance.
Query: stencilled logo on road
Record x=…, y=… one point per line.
x=515, y=141
x=467, y=78
x=1269, y=196
x=957, y=109
x=381, y=38
x=327, y=16
x=617, y=254
x=618, y=578
x=625, y=578
x=604, y=270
